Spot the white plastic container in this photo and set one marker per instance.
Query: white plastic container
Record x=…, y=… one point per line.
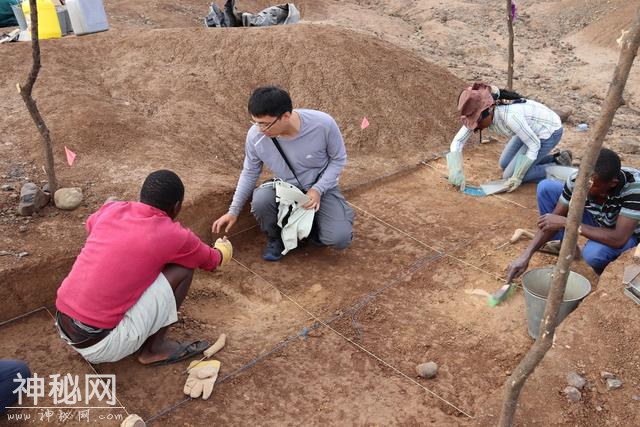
x=87, y=16
x=559, y=173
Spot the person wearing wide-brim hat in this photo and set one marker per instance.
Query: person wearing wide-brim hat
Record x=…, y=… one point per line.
x=534, y=128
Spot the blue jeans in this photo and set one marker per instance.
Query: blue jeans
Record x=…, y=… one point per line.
x=537, y=171
x=597, y=255
x=9, y=370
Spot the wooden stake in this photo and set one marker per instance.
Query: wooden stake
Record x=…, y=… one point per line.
x=511, y=54
x=26, y=93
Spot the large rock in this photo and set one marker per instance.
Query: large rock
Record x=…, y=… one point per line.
x=32, y=199
x=68, y=198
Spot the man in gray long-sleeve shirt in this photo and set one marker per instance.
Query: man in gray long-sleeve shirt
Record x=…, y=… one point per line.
x=313, y=145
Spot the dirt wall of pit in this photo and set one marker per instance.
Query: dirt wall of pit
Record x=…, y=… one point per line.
x=129, y=102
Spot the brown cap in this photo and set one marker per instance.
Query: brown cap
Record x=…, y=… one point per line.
x=472, y=103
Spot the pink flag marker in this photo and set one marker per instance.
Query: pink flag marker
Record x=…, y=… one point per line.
x=365, y=123
x=71, y=156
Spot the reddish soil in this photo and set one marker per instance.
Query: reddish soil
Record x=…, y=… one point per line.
x=139, y=102
x=159, y=91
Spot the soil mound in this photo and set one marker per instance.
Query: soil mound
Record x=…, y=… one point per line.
x=128, y=102
x=586, y=22
x=607, y=29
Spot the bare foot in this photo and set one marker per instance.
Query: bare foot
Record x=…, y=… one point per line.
x=155, y=353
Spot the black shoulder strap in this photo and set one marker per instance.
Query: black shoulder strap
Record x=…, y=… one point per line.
x=277, y=144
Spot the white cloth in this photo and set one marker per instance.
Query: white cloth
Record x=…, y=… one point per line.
x=155, y=309
x=298, y=226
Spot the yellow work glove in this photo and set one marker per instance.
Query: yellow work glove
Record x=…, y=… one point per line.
x=226, y=249
x=202, y=376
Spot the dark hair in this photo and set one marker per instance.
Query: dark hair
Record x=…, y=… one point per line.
x=509, y=94
x=269, y=101
x=608, y=165
x=162, y=189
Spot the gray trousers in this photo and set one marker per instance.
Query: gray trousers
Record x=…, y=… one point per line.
x=333, y=222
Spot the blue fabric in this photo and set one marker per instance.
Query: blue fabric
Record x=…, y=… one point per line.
x=537, y=171
x=9, y=370
x=597, y=255
x=474, y=191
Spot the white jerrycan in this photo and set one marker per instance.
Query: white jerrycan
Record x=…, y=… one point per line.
x=87, y=16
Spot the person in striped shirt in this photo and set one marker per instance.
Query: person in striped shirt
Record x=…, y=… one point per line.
x=534, y=130
x=609, y=222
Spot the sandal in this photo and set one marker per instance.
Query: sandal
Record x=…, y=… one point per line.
x=184, y=351
x=552, y=247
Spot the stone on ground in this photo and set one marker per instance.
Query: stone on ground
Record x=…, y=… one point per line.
x=68, y=198
x=32, y=199
x=427, y=370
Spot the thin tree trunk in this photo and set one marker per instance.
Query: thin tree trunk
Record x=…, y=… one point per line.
x=26, y=91
x=511, y=54
x=548, y=324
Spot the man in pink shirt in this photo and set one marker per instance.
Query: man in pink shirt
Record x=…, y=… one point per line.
x=131, y=276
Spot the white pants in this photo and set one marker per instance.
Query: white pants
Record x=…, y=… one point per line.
x=155, y=309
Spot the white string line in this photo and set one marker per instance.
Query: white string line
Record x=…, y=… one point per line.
x=512, y=202
x=92, y=368
x=425, y=245
x=358, y=346
x=242, y=231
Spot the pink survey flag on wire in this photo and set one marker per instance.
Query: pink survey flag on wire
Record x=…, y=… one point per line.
x=71, y=156
x=365, y=123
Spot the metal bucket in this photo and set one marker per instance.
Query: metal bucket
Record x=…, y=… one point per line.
x=537, y=283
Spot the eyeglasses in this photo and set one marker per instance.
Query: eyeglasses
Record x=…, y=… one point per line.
x=266, y=126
